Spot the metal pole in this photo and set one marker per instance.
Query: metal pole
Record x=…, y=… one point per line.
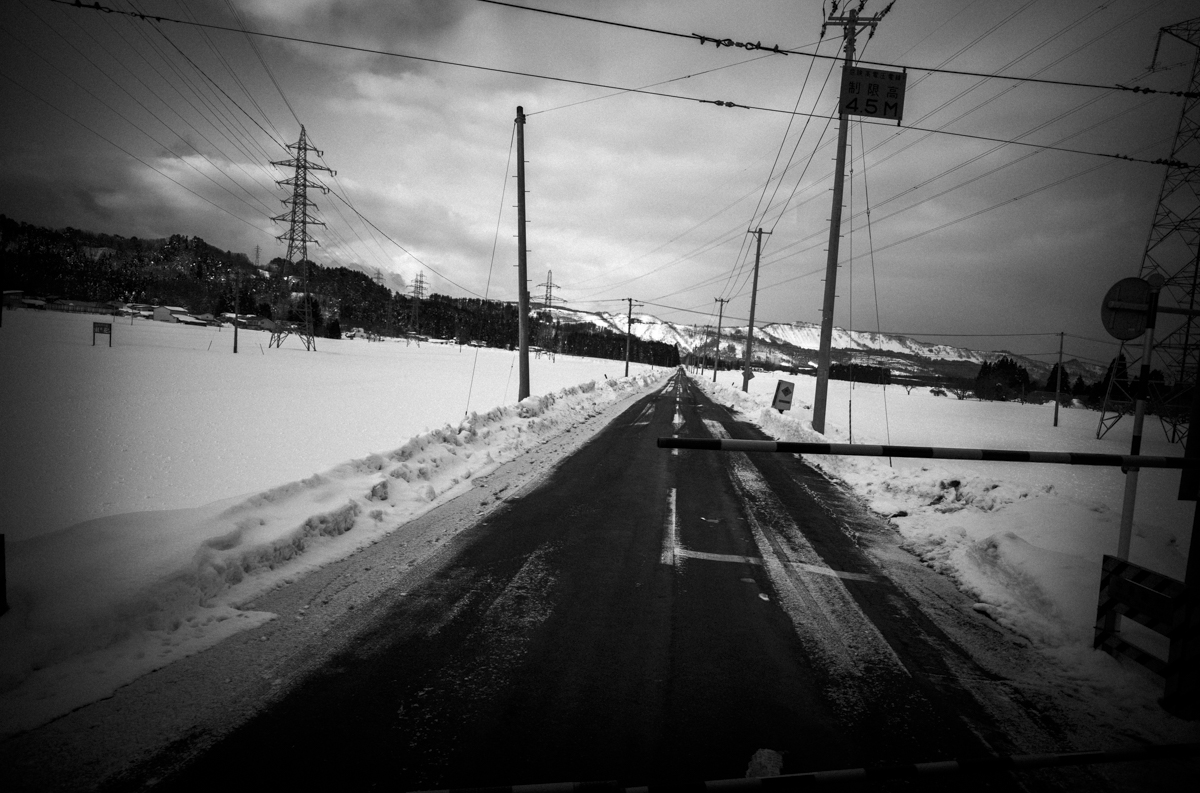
x=1139, y=415
x=1058, y=380
x=746, y=374
x=835, y=229
x=522, y=279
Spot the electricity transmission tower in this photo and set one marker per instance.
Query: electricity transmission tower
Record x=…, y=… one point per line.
x=417, y=290
x=298, y=217
x=387, y=310
x=550, y=286
x=1173, y=251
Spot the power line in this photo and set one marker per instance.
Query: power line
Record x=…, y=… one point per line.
x=131, y=154
x=718, y=102
x=776, y=50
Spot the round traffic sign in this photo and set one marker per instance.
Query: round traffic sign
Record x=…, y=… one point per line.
x=1123, y=311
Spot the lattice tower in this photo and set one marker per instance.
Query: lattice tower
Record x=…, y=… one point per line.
x=1173, y=251
x=299, y=216
x=550, y=286
x=417, y=290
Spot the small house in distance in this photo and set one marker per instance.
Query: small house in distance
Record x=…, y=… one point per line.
x=168, y=313
x=176, y=314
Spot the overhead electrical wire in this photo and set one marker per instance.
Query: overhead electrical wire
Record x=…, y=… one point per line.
x=752, y=46
x=720, y=103
x=117, y=146
x=138, y=127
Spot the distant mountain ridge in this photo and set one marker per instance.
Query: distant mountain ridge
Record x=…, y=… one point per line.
x=795, y=345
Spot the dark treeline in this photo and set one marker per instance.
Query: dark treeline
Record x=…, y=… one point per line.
x=860, y=373
x=188, y=272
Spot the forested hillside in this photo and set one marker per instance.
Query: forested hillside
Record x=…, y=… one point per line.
x=188, y=272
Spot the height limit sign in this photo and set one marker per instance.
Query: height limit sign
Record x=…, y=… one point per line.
x=873, y=92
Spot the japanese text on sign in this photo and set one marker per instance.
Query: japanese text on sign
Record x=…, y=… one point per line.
x=872, y=92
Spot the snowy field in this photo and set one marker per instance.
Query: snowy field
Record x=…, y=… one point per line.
x=151, y=488
x=1025, y=541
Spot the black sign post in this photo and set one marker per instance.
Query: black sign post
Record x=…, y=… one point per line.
x=104, y=329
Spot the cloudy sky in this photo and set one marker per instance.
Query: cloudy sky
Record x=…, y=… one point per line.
x=148, y=129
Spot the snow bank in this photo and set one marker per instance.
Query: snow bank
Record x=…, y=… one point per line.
x=1024, y=541
x=104, y=601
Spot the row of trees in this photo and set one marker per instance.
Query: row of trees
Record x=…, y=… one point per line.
x=188, y=272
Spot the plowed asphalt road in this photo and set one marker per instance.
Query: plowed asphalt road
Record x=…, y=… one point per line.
x=643, y=615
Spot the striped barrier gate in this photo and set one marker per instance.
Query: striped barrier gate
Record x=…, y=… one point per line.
x=1163, y=604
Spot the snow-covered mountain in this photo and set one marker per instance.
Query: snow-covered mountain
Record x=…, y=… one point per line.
x=795, y=344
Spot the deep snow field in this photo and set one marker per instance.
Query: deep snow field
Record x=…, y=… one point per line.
x=149, y=489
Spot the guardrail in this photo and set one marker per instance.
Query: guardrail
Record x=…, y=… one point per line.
x=967, y=766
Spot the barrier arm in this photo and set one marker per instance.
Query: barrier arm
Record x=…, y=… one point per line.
x=932, y=452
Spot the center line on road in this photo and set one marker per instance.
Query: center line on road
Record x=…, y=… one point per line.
x=669, y=532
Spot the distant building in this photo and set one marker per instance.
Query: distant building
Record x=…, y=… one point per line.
x=13, y=298
x=169, y=313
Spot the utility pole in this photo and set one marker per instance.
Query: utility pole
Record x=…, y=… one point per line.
x=629, y=320
x=720, y=315
x=1058, y=381
x=746, y=373
x=851, y=23
x=522, y=278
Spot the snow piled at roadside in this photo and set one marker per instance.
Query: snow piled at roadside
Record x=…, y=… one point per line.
x=99, y=604
x=1025, y=543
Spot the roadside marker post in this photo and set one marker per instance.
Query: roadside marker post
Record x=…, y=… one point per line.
x=104, y=329
x=783, y=395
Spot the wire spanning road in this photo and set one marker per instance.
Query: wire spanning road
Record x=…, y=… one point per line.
x=644, y=616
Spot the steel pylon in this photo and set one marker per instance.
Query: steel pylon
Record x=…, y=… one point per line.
x=1173, y=251
x=298, y=217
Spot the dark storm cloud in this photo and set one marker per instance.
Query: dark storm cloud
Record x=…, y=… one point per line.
x=375, y=24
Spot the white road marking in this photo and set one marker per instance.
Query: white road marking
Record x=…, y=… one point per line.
x=643, y=418
x=820, y=606
x=812, y=568
x=669, y=532
x=717, y=557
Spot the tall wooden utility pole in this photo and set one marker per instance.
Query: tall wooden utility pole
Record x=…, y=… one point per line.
x=628, y=333
x=746, y=373
x=720, y=316
x=522, y=279
x=850, y=25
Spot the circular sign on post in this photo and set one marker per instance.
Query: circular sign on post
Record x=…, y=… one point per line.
x=1123, y=311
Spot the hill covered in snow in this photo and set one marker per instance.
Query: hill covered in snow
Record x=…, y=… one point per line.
x=794, y=345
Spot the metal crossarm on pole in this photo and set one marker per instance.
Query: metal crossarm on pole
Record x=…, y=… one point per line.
x=930, y=452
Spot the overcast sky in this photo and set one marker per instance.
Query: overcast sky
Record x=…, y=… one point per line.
x=116, y=124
